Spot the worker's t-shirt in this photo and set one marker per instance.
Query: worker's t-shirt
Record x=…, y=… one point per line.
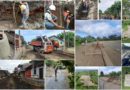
x=48, y=16
x=26, y=11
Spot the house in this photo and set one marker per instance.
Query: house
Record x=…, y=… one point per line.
x=19, y=40
x=55, y=38
x=33, y=69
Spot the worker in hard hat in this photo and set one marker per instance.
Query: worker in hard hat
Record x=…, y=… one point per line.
x=50, y=18
x=25, y=13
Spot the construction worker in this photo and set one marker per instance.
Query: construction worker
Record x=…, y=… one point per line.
x=50, y=18
x=25, y=13
x=56, y=70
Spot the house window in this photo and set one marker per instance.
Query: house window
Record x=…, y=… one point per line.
x=34, y=70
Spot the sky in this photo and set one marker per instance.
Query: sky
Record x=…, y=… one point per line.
x=85, y=68
x=107, y=70
x=98, y=28
x=106, y=4
x=11, y=64
x=32, y=34
x=127, y=44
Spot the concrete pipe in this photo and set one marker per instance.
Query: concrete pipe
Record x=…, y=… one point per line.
x=4, y=46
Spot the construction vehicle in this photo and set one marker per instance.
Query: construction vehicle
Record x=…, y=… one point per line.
x=42, y=44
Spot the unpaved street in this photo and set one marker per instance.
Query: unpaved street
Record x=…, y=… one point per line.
x=104, y=84
x=105, y=54
x=30, y=54
x=14, y=83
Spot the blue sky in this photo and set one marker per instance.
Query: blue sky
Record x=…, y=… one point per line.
x=109, y=69
x=32, y=34
x=105, y=4
x=98, y=28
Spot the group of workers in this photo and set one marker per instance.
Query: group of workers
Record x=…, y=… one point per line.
x=50, y=17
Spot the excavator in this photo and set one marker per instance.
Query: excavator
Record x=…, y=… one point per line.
x=43, y=44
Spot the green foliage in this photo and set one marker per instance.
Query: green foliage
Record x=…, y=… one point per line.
x=94, y=79
x=114, y=10
x=125, y=40
x=125, y=70
x=69, y=37
x=79, y=84
x=50, y=63
x=80, y=40
x=125, y=25
x=115, y=74
x=69, y=65
x=125, y=7
x=71, y=81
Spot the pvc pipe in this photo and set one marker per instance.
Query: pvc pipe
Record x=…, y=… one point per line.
x=4, y=47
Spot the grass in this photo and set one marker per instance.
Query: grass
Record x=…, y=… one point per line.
x=125, y=40
x=94, y=79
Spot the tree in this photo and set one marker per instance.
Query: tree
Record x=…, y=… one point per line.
x=69, y=37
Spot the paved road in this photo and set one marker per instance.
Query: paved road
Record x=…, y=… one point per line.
x=14, y=83
x=61, y=83
x=90, y=55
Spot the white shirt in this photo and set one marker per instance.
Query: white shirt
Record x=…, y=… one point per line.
x=48, y=16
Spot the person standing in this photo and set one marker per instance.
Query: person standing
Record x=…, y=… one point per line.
x=25, y=13
x=56, y=70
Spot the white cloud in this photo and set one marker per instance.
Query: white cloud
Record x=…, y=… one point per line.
x=99, y=28
x=106, y=4
x=109, y=69
x=11, y=64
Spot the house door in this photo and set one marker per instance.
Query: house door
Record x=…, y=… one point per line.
x=41, y=73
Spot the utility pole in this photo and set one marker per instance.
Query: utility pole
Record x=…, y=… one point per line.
x=64, y=41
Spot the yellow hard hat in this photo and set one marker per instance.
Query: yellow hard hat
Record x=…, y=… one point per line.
x=22, y=7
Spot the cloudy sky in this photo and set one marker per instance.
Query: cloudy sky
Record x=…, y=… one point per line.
x=32, y=34
x=98, y=28
x=85, y=68
x=109, y=69
x=11, y=64
x=106, y=4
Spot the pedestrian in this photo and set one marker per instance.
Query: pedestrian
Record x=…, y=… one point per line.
x=50, y=18
x=56, y=70
x=25, y=13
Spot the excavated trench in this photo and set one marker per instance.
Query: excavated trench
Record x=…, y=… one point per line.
x=10, y=15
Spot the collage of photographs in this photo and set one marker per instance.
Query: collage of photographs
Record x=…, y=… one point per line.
x=65, y=44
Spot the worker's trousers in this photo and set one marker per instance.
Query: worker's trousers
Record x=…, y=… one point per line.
x=24, y=19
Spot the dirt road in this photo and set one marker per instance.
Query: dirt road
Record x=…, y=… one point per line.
x=103, y=84
x=14, y=83
x=106, y=54
x=30, y=54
